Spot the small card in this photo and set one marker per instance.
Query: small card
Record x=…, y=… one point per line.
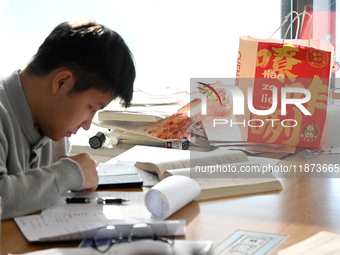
x=249, y=243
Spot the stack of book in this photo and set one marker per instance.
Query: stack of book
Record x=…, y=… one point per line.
x=131, y=138
x=132, y=125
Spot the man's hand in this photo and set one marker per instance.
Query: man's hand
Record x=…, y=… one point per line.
x=88, y=166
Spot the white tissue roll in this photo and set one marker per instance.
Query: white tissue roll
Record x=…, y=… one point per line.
x=330, y=136
x=170, y=195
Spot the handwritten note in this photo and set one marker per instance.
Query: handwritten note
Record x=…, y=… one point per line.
x=78, y=226
x=134, y=210
x=38, y=227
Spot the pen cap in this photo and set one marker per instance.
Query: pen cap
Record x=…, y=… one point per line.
x=97, y=141
x=170, y=195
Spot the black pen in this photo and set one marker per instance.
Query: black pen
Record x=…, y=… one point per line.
x=110, y=200
x=78, y=200
x=100, y=200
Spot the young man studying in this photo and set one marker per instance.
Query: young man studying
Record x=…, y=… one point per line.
x=79, y=69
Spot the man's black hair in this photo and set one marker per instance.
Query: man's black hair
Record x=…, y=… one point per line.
x=98, y=57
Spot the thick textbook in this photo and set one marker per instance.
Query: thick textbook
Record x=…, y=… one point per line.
x=220, y=173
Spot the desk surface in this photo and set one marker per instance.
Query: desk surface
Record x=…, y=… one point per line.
x=304, y=207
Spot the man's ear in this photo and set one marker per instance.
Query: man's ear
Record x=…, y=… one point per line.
x=63, y=82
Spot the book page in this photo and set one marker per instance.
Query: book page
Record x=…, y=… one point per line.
x=200, y=159
x=209, y=180
x=215, y=184
x=180, y=171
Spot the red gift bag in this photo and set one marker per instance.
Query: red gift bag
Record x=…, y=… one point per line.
x=285, y=67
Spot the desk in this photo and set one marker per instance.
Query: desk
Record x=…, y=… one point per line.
x=303, y=208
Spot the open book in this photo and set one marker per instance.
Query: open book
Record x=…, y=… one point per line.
x=220, y=173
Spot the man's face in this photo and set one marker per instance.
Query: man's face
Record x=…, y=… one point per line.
x=73, y=111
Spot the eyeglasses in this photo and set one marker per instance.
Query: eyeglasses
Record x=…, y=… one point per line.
x=109, y=235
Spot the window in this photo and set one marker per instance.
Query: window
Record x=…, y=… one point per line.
x=324, y=13
x=171, y=40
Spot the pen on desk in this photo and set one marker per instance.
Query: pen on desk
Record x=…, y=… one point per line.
x=77, y=200
x=100, y=200
x=108, y=200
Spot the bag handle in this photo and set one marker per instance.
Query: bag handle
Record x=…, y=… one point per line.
x=291, y=23
x=284, y=22
x=297, y=17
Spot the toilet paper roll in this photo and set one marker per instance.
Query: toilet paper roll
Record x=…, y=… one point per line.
x=170, y=195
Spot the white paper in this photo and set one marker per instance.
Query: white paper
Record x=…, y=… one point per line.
x=62, y=221
x=181, y=247
x=150, y=154
x=77, y=226
x=37, y=227
x=170, y=195
x=134, y=210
